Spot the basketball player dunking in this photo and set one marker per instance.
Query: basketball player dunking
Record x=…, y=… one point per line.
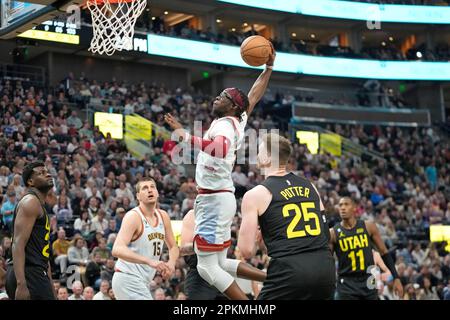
x=215, y=205
x=139, y=246
x=352, y=240
x=289, y=211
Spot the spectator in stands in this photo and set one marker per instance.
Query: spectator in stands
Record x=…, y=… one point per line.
x=175, y=211
x=74, y=120
x=110, y=242
x=112, y=228
x=181, y=296
x=431, y=174
x=77, y=291
x=108, y=270
x=428, y=292
x=17, y=186
x=124, y=192
x=160, y=294
x=93, y=207
x=418, y=254
x=88, y=293
x=78, y=255
x=86, y=131
x=63, y=210
x=103, y=293
x=103, y=251
x=171, y=180
x=4, y=173
x=56, y=285
x=111, y=294
x=188, y=203
x=7, y=210
x=376, y=197
x=62, y=293
x=99, y=222
x=93, y=270
x=60, y=250
x=411, y=291
x=5, y=247
x=83, y=224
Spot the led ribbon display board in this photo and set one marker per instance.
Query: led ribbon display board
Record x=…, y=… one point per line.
x=299, y=63
x=355, y=10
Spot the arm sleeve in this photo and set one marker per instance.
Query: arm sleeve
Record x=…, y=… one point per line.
x=217, y=148
x=389, y=262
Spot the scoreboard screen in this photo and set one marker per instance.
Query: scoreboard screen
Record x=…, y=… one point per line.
x=55, y=31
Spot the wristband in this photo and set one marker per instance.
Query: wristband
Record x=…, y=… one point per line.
x=269, y=67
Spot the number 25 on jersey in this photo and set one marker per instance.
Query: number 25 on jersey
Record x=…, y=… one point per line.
x=304, y=210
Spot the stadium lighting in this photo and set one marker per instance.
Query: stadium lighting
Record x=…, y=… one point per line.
x=218, y=20
x=294, y=34
x=391, y=39
x=313, y=36
x=166, y=12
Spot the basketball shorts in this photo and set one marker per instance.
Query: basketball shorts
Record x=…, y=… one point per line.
x=38, y=283
x=356, y=288
x=304, y=276
x=130, y=287
x=213, y=217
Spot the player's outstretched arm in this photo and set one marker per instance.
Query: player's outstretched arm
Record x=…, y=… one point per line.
x=259, y=87
x=174, y=251
x=131, y=225
x=387, y=259
x=28, y=212
x=249, y=224
x=216, y=148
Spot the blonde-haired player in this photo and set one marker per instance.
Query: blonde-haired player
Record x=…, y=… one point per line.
x=139, y=246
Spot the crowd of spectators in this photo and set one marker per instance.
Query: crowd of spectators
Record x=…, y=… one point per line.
x=95, y=176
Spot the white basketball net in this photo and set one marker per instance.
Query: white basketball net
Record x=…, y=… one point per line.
x=113, y=24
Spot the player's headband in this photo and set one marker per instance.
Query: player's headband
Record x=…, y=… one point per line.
x=235, y=97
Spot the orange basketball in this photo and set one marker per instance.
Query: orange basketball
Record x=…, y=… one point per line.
x=255, y=50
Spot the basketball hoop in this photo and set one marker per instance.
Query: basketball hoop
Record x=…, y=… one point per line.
x=113, y=24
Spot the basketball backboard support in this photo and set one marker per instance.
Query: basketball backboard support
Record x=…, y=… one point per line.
x=17, y=17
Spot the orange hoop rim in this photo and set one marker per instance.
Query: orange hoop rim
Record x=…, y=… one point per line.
x=100, y=2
